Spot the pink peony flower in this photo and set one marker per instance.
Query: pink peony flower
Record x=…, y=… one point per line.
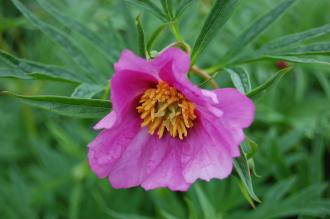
x=164, y=131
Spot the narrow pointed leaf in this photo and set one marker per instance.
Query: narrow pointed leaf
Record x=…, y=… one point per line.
x=141, y=38
x=182, y=7
x=154, y=36
x=13, y=73
x=278, y=76
x=310, y=49
x=167, y=7
x=218, y=16
x=130, y=39
x=257, y=28
x=246, y=194
x=150, y=6
x=29, y=69
x=243, y=171
x=294, y=59
x=87, y=90
x=78, y=27
x=62, y=39
x=241, y=79
x=295, y=38
x=73, y=107
x=208, y=209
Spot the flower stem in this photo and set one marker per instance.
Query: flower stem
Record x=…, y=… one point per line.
x=213, y=69
x=175, y=30
x=205, y=75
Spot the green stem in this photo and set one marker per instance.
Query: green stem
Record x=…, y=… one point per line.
x=215, y=68
x=175, y=30
x=106, y=92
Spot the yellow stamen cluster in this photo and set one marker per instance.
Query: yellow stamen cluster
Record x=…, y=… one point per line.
x=164, y=108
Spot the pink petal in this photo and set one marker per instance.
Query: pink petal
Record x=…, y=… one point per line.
x=150, y=162
x=133, y=76
x=126, y=88
x=128, y=61
x=107, y=122
x=228, y=136
x=109, y=145
x=205, y=157
x=173, y=66
x=169, y=172
x=178, y=61
x=237, y=109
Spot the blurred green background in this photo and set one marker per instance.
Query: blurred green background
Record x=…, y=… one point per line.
x=44, y=171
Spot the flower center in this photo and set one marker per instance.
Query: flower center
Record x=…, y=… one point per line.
x=164, y=108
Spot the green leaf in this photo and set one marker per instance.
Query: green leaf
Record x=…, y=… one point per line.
x=130, y=37
x=240, y=78
x=141, y=39
x=324, y=82
x=243, y=171
x=295, y=38
x=295, y=59
x=87, y=90
x=94, y=39
x=310, y=49
x=167, y=215
x=257, y=28
x=207, y=208
x=75, y=201
x=246, y=194
x=278, y=191
x=254, y=57
x=62, y=39
x=306, y=202
x=182, y=7
x=13, y=73
x=249, y=147
x=154, y=36
x=218, y=16
x=150, y=6
x=167, y=7
x=33, y=69
x=277, y=77
x=73, y=107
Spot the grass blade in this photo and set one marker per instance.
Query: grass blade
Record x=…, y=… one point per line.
x=73, y=107
x=218, y=16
